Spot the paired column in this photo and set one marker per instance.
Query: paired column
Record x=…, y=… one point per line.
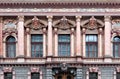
x=1, y=45
x=28, y=41
x=83, y=41
x=21, y=36
x=50, y=46
x=107, y=37
x=56, y=42
x=44, y=42
x=72, y=42
x=100, y=42
x=78, y=37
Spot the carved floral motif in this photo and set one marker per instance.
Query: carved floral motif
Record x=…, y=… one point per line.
x=93, y=69
x=34, y=69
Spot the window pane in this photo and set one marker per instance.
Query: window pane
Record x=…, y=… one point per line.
x=8, y=75
x=63, y=45
x=116, y=47
x=10, y=47
x=35, y=75
x=91, y=46
x=118, y=75
x=37, y=45
x=93, y=75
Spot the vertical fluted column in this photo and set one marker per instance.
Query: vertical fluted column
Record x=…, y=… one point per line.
x=21, y=36
x=56, y=42
x=1, y=45
x=78, y=36
x=100, y=42
x=84, y=42
x=28, y=41
x=72, y=42
x=44, y=42
x=107, y=41
x=50, y=46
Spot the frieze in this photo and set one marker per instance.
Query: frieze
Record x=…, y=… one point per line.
x=61, y=10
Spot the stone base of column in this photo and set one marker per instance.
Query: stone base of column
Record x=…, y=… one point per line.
x=20, y=58
x=49, y=58
x=108, y=59
x=79, y=58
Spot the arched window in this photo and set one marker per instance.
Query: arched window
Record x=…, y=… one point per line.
x=116, y=46
x=10, y=47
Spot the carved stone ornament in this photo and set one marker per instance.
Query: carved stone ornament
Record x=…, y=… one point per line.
x=10, y=24
x=64, y=23
x=64, y=66
x=7, y=69
x=116, y=22
x=116, y=31
x=118, y=69
x=34, y=69
x=92, y=23
x=35, y=23
x=93, y=69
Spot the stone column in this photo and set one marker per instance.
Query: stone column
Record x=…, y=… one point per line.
x=1, y=74
x=99, y=75
x=84, y=42
x=107, y=42
x=72, y=42
x=29, y=75
x=1, y=44
x=28, y=42
x=50, y=46
x=41, y=75
x=114, y=75
x=20, y=38
x=100, y=42
x=13, y=74
x=44, y=42
x=87, y=75
x=78, y=37
x=56, y=42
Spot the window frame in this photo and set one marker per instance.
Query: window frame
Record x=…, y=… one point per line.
x=36, y=44
x=5, y=73
x=91, y=44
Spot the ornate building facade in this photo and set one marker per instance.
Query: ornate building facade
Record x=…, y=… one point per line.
x=59, y=40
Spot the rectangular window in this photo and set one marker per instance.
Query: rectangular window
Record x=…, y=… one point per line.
x=93, y=75
x=118, y=75
x=8, y=75
x=91, y=46
x=37, y=45
x=35, y=76
x=63, y=45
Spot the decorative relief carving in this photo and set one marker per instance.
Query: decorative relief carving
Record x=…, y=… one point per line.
x=9, y=27
x=116, y=31
x=116, y=22
x=7, y=69
x=118, y=69
x=34, y=69
x=64, y=23
x=93, y=69
x=92, y=23
x=35, y=23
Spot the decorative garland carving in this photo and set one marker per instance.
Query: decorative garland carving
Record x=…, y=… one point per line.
x=64, y=23
x=92, y=23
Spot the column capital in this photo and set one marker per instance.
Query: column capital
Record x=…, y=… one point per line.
x=107, y=18
x=49, y=18
x=78, y=18
x=21, y=18
x=1, y=19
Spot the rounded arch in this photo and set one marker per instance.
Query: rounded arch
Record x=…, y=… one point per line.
x=113, y=36
x=13, y=35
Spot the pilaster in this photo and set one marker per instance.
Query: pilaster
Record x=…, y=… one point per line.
x=107, y=42
x=20, y=38
x=1, y=45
